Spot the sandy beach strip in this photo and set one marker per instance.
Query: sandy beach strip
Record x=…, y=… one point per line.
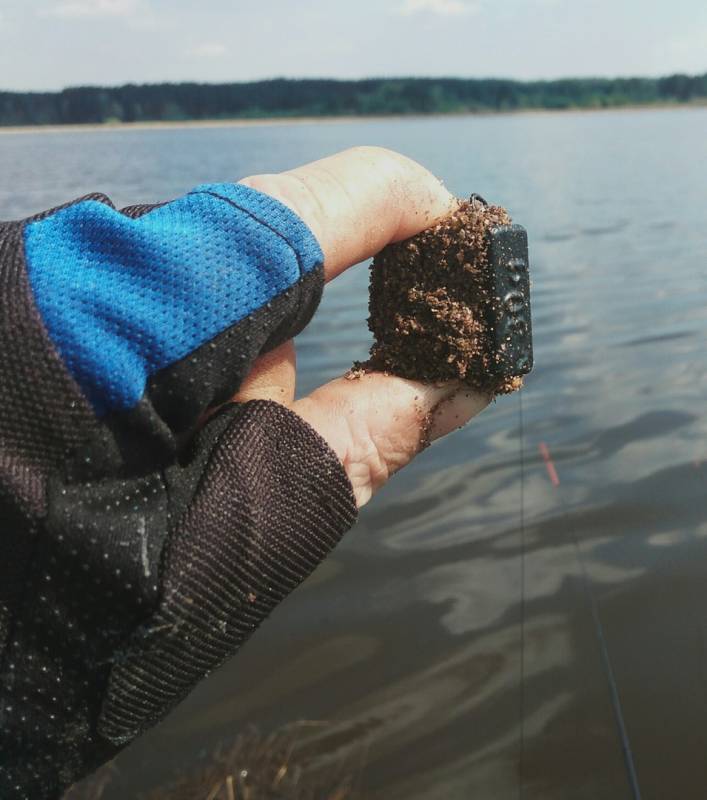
x=259, y=122
x=115, y=127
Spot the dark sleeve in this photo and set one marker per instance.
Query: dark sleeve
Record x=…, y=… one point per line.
x=140, y=549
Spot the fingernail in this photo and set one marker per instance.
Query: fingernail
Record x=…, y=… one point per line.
x=454, y=411
x=434, y=393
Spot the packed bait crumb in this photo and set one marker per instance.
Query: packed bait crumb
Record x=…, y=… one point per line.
x=356, y=372
x=429, y=301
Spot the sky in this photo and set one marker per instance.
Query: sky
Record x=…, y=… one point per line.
x=51, y=44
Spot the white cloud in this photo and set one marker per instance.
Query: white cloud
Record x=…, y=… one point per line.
x=75, y=9
x=208, y=50
x=444, y=8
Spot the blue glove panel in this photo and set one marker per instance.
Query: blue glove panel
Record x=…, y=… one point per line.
x=123, y=298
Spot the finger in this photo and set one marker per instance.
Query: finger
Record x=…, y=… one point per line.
x=358, y=201
x=377, y=423
x=272, y=377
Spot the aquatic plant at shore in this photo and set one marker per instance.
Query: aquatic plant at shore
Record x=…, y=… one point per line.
x=254, y=767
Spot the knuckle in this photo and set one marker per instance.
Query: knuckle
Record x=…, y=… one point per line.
x=371, y=151
x=294, y=191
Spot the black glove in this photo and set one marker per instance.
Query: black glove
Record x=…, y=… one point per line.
x=138, y=549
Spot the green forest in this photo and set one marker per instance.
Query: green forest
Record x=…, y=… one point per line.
x=291, y=98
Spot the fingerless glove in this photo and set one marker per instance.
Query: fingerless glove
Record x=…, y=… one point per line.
x=140, y=547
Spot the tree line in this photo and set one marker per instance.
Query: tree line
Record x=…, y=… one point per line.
x=294, y=97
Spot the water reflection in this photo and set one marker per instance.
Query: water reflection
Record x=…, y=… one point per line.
x=449, y=643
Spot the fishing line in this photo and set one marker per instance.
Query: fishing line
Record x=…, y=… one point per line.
x=606, y=661
x=521, y=456
x=630, y=765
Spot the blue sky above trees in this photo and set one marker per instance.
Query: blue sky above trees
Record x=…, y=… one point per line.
x=49, y=44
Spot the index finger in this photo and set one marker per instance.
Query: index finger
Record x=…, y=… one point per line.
x=358, y=201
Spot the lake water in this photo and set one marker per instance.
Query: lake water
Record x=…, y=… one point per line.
x=482, y=632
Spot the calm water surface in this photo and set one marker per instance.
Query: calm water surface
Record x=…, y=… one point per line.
x=476, y=633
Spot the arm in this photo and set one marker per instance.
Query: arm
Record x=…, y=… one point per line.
x=142, y=546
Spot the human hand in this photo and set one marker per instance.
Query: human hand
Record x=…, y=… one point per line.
x=165, y=542
x=355, y=203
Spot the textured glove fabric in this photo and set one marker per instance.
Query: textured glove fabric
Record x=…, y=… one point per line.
x=140, y=550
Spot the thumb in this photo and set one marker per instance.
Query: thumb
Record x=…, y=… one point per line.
x=376, y=423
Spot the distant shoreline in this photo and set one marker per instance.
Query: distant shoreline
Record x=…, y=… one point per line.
x=257, y=122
